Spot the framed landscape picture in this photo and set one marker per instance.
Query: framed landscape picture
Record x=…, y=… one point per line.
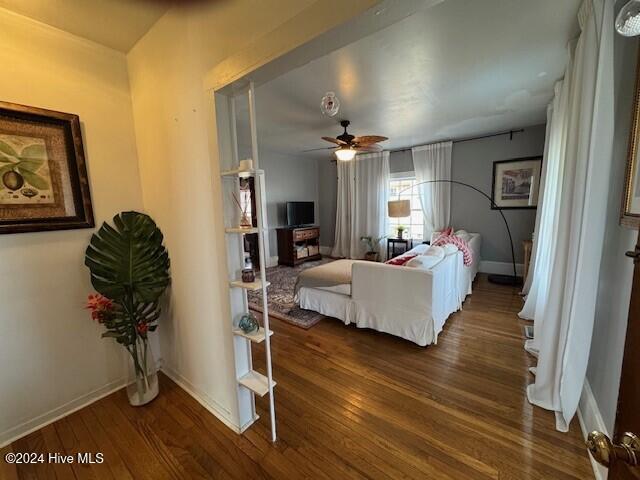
x=630, y=214
x=516, y=183
x=43, y=177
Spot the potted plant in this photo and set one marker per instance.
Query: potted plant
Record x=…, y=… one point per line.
x=400, y=229
x=373, y=243
x=130, y=271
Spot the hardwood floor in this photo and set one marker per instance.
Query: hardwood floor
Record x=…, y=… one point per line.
x=351, y=404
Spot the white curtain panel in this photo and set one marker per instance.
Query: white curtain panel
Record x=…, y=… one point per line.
x=363, y=191
x=526, y=288
x=548, y=212
x=575, y=247
x=433, y=162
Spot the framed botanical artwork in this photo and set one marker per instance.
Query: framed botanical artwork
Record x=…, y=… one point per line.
x=630, y=214
x=43, y=177
x=516, y=183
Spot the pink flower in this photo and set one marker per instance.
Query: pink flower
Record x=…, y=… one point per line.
x=100, y=307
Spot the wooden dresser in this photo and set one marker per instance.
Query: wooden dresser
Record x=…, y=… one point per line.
x=298, y=245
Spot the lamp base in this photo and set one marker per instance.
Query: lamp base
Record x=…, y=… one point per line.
x=505, y=280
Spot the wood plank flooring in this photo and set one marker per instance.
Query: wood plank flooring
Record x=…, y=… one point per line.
x=351, y=404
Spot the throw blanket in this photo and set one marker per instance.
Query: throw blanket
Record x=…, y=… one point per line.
x=327, y=275
x=449, y=238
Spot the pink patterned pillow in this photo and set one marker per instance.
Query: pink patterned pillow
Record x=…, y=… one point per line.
x=401, y=260
x=452, y=239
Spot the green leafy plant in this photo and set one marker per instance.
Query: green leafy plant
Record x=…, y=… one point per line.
x=400, y=229
x=130, y=270
x=16, y=168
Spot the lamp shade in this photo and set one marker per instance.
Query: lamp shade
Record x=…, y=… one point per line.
x=399, y=208
x=345, y=154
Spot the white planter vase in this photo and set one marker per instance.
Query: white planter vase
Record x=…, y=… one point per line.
x=143, y=377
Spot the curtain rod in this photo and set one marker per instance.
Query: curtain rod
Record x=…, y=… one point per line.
x=499, y=134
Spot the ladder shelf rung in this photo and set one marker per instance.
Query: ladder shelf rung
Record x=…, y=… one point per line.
x=236, y=172
x=242, y=230
x=255, y=285
x=255, y=337
x=256, y=382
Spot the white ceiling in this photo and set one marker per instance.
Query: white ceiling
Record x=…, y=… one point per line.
x=457, y=69
x=117, y=24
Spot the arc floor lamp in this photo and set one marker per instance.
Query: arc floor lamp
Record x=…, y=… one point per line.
x=402, y=208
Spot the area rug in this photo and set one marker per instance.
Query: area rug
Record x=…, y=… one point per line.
x=280, y=295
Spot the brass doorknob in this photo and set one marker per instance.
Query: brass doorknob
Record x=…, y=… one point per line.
x=605, y=452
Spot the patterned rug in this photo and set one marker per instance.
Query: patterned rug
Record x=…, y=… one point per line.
x=280, y=295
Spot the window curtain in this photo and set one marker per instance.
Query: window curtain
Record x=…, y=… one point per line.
x=572, y=219
x=433, y=162
x=363, y=190
x=537, y=284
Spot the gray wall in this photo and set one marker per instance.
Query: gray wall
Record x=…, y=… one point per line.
x=472, y=163
x=616, y=270
x=288, y=179
x=327, y=200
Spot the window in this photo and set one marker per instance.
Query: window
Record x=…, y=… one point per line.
x=414, y=224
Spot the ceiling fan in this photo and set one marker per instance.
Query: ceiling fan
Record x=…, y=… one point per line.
x=348, y=145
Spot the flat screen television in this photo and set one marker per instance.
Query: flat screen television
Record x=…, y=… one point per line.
x=300, y=213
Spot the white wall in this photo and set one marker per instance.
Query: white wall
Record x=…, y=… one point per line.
x=179, y=163
x=51, y=353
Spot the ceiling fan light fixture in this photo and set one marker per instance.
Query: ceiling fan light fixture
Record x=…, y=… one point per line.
x=628, y=20
x=345, y=154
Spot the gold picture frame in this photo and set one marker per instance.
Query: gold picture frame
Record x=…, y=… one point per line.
x=630, y=212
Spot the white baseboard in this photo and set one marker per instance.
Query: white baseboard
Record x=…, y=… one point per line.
x=590, y=419
x=206, y=401
x=324, y=250
x=500, y=268
x=19, y=431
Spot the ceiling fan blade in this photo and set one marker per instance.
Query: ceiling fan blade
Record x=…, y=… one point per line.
x=368, y=148
x=369, y=139
x=316, y=149
x=333, y=140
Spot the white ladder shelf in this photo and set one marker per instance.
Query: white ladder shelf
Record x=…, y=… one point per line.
x=250, y=379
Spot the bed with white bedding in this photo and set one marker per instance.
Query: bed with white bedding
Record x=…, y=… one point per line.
x=411, y=303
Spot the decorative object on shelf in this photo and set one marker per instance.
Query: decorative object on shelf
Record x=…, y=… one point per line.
x=248, y=274
x=628, y=19
x=246, y=164
x=43, y=177
x=373, y=244
x=130, y=271
x=248, y=323
x=245, y=221
x=401, y=208
x=400, y=229
x=516, y=183
x=630, y=215
x=330, y=105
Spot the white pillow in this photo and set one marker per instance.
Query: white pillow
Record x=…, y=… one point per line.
x=419, y=249
x=464, y=235
x=435, y=251
x=424, y=262
x=449, y=249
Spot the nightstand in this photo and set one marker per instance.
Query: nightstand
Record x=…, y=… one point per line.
x=406, y=243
